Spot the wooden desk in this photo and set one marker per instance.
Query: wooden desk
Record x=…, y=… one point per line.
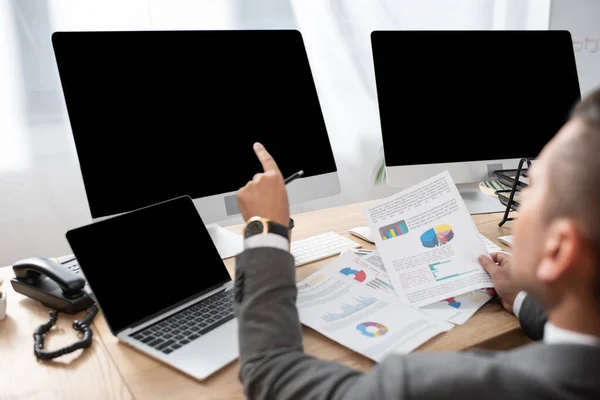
x=110, y=369
x=88, y=375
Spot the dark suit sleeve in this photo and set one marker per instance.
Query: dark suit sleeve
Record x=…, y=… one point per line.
x=273, y=364
x=272, y=361
x=532, y=319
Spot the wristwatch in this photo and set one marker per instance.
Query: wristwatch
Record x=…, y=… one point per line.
x=262, y=226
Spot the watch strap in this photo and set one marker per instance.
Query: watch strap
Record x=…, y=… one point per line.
x=279, y=229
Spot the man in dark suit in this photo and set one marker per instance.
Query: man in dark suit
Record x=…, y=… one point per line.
x=556, y=264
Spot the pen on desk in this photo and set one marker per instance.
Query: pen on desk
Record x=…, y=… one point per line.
x=293, y=177
x=362, y=251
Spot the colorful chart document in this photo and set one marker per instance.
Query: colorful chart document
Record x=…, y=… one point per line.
x=457, y=309
x=362, y=314
x=428, y=242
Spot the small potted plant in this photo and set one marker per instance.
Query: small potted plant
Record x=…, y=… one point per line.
x=3, y=293
x=379, y=174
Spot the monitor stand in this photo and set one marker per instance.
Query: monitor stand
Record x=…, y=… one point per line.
x=228, y=244
x=478, y=202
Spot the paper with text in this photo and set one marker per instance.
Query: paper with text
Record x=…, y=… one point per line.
x=457, y=309
x=337, y=303
x=381, y=282
x=428, y=242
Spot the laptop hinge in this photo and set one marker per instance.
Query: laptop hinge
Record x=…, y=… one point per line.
x=192, y=299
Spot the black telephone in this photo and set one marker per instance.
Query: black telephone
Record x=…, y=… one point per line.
x=61, y=287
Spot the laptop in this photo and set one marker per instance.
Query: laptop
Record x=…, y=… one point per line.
x=161, y=285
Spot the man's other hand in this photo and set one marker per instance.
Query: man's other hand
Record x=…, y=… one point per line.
x=498, y=267
x=265, y=195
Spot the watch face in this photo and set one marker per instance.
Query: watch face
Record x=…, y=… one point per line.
x=254, y=228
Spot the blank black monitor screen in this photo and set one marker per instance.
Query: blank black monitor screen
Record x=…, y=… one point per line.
x=159, y=257
x=156, y=115
x=471, y=96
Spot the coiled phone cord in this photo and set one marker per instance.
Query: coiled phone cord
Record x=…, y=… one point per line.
x=81, y=326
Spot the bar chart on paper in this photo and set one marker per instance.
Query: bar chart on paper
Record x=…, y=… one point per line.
x=379, y=284
x=447, y=269
x=393, y=230
x=349, y=309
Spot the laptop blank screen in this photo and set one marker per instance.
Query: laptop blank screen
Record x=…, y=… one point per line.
x=140, y=263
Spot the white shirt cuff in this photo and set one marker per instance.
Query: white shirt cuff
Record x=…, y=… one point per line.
x=268, y=240
x=518, y=303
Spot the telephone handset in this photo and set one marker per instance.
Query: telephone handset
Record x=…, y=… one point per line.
x=62, y=287
x=57, y=286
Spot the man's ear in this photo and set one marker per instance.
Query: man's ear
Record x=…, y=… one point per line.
x=559, y=253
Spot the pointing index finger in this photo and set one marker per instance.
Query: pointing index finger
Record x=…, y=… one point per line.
x=268, y=163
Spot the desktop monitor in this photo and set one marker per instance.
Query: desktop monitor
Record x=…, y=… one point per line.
x=161, y=114
x=470, y=101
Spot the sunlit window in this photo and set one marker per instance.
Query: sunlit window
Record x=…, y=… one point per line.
x=14, y=148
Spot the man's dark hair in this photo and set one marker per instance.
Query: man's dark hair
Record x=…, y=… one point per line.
x=579, y=167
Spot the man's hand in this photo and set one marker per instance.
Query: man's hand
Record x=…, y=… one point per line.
x=498, y=268
x=265, y=195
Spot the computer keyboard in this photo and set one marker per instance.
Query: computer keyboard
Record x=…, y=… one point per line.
x=321, y=246
x=189, y=324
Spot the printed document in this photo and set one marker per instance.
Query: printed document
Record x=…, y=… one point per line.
x=428, y=242
x=457, y=309
x=465, y=304
x=351, y=305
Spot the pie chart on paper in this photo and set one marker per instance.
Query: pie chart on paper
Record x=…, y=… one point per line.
x=438, y=236
x=355, y=274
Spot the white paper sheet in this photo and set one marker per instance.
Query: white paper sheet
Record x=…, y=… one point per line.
x=465, y=306
x=428, y=241
x=337, y=302
x=441, y=310
x=456, y=310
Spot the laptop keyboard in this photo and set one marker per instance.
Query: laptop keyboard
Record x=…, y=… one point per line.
x=188, y=324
